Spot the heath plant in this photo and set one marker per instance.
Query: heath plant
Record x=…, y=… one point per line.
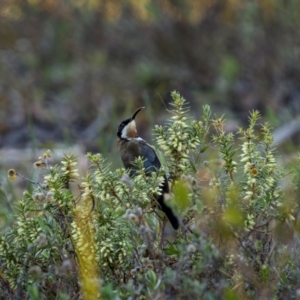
x=103, y=236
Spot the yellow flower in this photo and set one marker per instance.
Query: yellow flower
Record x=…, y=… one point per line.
x=12, y=174
x=47, y=154
x=38, y=164
x=254, y=171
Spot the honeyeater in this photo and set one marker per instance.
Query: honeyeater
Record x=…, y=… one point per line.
x=132, y=146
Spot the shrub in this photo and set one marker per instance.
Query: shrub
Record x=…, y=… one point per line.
x=103, y=236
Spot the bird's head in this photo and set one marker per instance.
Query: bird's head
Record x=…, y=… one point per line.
x=127, y=128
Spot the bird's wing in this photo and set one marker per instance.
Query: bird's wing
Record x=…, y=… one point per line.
x=151, y=163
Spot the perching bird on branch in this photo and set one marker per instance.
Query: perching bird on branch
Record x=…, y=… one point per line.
x=132, y=146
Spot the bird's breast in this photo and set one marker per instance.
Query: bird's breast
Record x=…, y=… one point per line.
x=129, y=151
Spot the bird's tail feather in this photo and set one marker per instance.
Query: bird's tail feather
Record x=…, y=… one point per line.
x=169, y=212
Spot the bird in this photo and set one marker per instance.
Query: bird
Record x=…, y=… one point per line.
x=132, y=146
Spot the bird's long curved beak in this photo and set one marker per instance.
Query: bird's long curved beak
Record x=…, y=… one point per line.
x=134, y=115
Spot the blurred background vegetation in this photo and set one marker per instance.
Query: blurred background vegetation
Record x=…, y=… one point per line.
x=70, y=70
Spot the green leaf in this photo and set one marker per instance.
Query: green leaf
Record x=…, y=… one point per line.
x=171, y=250
x=63, y=296
x=231, y=295
x=204, y=148
x=193, y=166
x=33, y=292
x=45, y=253
x=234, y=216
x=151, y=276
x=43, y=225
x=181, y=198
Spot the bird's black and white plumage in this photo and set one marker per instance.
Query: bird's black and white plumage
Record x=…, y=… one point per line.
x=132, y=146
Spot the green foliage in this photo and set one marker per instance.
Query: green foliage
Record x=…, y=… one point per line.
x=238, y=240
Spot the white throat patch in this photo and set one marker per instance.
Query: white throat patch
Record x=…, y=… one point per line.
x=129, y=131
